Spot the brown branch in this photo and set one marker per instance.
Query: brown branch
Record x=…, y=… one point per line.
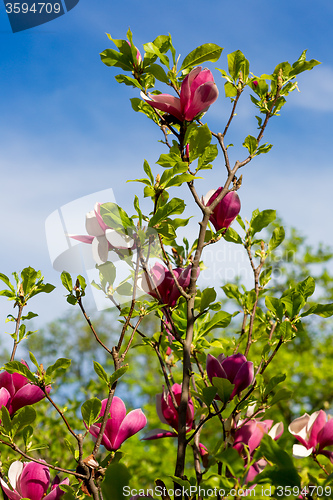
x=91, y=326
x=14, y=447
x=18, y=320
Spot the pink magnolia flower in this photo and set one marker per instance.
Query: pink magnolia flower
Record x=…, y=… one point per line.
x=162, y=280
x=198, y=91
x=17, y=391
x=102, y=237
x=250, y=434
x=119, y=426
x=169, y=415
x=314, y=432
x=235, y=368
x=226, y=211
x=31, y=480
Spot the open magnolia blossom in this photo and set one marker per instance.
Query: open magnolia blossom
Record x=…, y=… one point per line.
x=198, y=91
x=31, y=480
x=169, y=415
x=226, y=211
x=17, y=391
x=119, y=426
x=314, y=432
x=161, y=282
x=234, y=368
x=102, y=237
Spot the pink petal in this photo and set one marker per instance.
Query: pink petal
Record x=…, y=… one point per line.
x=203, y=97
x=94, y=431
x=325, y=436
x=167, y=103
x=159, y=408
x=34, y=481
x=84, y=238
x=118, y=413
x=185, y=91
x=243, y=378
x=315, y=425
x=97, y=210
x=6, y=381
x=232, y=364
x=276, y=431
x=56, y=492
x=12, y=495
x=298, y=428
x=92, y=224
x=27, y=395
x=100, y=249
x=4, y=397
x=134, y=421
x=214, y=368
x=300, y=451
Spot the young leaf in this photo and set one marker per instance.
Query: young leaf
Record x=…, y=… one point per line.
x=224, y=388
x=101, y=372
x=207, y=52
x=90, y=411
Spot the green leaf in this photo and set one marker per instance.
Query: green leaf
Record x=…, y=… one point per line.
x=152, y=48
x=101, y=372
x=230, y=89
x=23, y=417
x=34, y=360
x=273, y=382
x=220, y=320
x=107, y=274
x=116, y=477
x=302, y=65
x=66, y=280
x=199, y=138
x=277, y=238
x=208, y=296
x=209, y=154
x=232, y=236
x=274, y=305
x=207, y=52
x=236, y=63
x=29, y=277
x=18, y=367
x=5, y=279
x=281, y=395
x=90, y=411
x=224, y=388
x=231, y=458
x=6, y=421
x=262, y=220
x=158, y=72
x=323, y=310
x=251, y=144
x=111, y=57
x=117, y=374
x=115, y=217
x=265, y=276
x=148, y=171
x=306, y=287
x=174, y=206
x=207, y=395
x=27, y=434
x=58, y=367
x=127, y=80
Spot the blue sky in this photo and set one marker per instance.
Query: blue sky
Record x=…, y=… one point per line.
x=67, y=128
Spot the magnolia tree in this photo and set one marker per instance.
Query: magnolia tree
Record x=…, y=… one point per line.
x=214, y=387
